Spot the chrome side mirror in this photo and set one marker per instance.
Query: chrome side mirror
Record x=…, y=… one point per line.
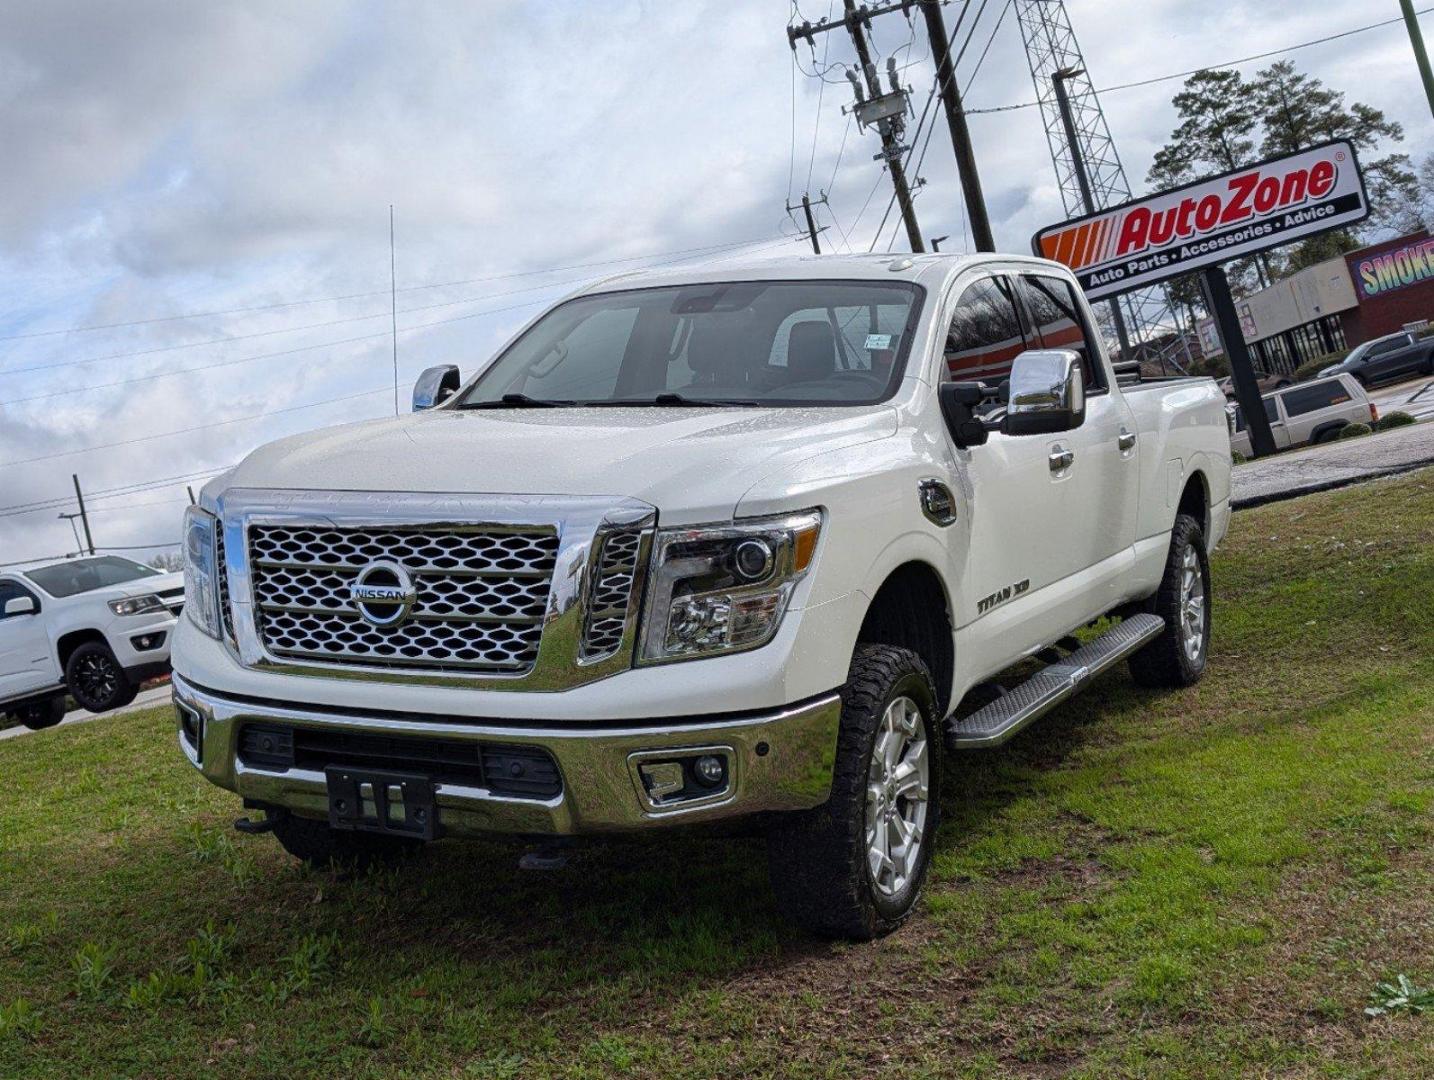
x=1047, y=393
x=435, y=386
x=20, y=605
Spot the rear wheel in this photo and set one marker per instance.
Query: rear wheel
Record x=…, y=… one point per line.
x=854, y=867
x=1178, y=656
x=96, y=680
x=320, y=846
x=41, y=714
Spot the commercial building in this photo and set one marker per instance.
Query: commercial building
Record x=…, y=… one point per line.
x=1337, y=304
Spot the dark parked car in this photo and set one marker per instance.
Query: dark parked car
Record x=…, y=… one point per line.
x=1387, y=358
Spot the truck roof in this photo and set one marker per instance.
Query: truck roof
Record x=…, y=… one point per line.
x=930, y=270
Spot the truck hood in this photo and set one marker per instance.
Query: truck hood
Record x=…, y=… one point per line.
x=693, y=464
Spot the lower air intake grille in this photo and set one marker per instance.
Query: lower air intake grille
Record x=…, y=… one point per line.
x=523, y=772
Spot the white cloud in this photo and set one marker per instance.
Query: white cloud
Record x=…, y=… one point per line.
x=165, y=158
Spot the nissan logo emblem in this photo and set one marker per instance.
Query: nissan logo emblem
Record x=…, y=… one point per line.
x=383, y=593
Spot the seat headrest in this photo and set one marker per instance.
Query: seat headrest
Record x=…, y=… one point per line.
x=811, y=350
x=715, y=349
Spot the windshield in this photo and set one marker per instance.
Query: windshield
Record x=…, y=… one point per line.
x=728, y=343
x=1357, y=354
x=82, y=575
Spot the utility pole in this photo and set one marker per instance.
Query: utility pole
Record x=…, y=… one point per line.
x=812, y=229
x=1063, y=100
x=84, y=518
x=1416, y=38
x=393, y=306
x=1232, y=335
x=956, y=121
x=886, y=110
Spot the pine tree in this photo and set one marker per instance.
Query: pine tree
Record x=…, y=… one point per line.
x=1296, y=112
x=1216, y=134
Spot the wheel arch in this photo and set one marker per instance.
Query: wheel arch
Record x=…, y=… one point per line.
x=912, y=609
x=67, y=643
x=1329, y=426
x=1195, y=500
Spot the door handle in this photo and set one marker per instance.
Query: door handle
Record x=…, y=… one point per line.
x=1126, y=441
x=1061, y=459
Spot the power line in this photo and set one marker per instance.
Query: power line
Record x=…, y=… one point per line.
x=1211, y=67
x=936, y=86
x=237, y=419
x=364, y=295
x=298, y=348
x=327, y=323
x=190, y=430
x=41, y=505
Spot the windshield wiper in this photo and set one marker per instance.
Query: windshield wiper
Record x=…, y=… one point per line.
x=516, y=401
x=670, y=398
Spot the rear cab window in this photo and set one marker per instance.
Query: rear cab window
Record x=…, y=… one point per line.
x=1058, y=322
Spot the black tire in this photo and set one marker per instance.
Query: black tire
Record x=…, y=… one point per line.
x=1329, y=434
x=818, y=860
x=313, y=842
x=95, y=679
x=1167, y=661
x=41, y=714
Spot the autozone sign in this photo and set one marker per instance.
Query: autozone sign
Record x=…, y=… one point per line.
x=1213, y=221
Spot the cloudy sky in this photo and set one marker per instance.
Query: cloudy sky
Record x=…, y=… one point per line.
x=194, y=203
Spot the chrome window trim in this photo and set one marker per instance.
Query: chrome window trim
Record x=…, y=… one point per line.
x=577, y=520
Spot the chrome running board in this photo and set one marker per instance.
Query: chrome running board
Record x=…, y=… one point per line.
x=993, y=724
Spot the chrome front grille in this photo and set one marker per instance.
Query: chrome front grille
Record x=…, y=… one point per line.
x=480, y=595
x=221, y=570
x=611, y=598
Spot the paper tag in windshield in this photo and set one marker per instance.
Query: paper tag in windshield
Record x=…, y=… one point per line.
x=878, y=341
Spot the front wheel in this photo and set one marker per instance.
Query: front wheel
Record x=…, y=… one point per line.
x=96, y=680
x=42, y=714
x=853, y=868
x=1178, y=656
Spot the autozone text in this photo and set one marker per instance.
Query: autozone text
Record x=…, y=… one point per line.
x=1249, y=194
x=1210, y=221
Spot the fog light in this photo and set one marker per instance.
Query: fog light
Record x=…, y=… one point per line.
x=710, y=770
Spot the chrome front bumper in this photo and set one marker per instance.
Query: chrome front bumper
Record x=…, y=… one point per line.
x=779, y=761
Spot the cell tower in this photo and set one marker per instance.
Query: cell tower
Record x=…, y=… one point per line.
x=1051, y=47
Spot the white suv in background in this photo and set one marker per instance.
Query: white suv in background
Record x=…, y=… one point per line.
x=1309, y=412
x=94, y=628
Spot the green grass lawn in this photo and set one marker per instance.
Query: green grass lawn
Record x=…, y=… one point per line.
x=1206, y=883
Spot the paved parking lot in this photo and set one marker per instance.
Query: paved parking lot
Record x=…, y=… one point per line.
x=1332, y=465
x=1416, y=398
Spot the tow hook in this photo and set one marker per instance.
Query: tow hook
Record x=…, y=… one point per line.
x=250, y=827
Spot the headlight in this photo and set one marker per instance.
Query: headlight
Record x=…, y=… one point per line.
x=724, y=588
x=137, y=605
x=201, y=581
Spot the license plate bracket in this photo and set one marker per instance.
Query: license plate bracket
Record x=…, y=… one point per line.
x=382, y=801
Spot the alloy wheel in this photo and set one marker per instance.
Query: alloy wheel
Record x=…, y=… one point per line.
x=897, y=797
x=1192, y=605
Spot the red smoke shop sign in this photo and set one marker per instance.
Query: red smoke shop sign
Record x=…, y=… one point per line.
x=1226, y=217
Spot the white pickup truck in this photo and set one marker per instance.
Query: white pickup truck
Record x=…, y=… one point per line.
x=94, y=628
x=743, y=542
